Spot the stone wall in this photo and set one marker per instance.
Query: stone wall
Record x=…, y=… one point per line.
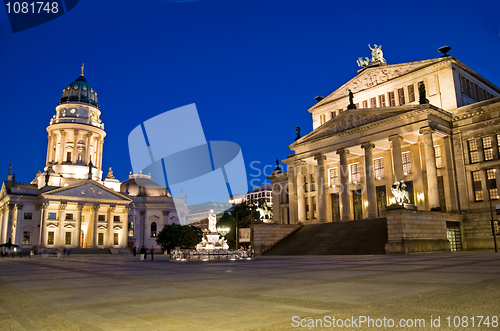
x=477, y=231
x=412, y=231
x=267, y=235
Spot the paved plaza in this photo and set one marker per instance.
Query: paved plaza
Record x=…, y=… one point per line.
x=115, y=292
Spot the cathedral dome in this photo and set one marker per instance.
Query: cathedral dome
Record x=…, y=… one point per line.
x=80, y=91
x=142, y=186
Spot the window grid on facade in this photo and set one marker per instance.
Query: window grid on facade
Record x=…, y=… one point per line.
x=437, y=152
x=26, y=237
x=334, y=114
x=392, y=99
x=406, y=163
x=411, y=93
x=378, y=164
x=365, y=104
x=492, y=183
x=130, y=229
x=355, y=173
x=334, y=177
x=401, y=96
x=100, y=238
x=487, y=149
x=313, y=182
x=473, y=152
x=306, y=185
x=473, y=91
x=476, y=185
x=381, y=100
x=101, y=218
x=52, y=216
x=28, y=216
x=69, y=216
x=116, y=218
x=322, y=119
x=115, y=238
x=373, y=102
x=307, y=207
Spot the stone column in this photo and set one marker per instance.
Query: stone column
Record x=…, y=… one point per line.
x=87, y=146
x=276, y=194
x=344, y=184
x=165, y=218
x=142, y=214
x=2, y=224
x=321, y=190
x=79, y=224
x=430, y=166
x=74, y=156
x=292, y=194
x=19, y=234
x=61, y=216
x=396, y=157
x=370, y=180
x=95, y=209
x=62, y=150
x=49, y=145
x=110, y=215
x=43, y=209
x=101, y=145
x=10, y=211
x=301, y=203
x=124, y=238
x=53, y=143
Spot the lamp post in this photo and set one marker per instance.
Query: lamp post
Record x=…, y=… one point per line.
x=491, y=210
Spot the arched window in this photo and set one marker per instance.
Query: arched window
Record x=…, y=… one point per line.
x=130, y=229
x=153, y=229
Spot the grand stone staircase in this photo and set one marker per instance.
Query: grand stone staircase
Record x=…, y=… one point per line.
x=344, y=238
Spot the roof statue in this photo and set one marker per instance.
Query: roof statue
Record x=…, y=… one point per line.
x=377, y=57
x=83, y=65
x=10, y=169
x=351, y=101
x=297, y=131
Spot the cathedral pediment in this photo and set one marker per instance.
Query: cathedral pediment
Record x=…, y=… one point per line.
x=349, y=120
x=371, y=77
x=88, y=190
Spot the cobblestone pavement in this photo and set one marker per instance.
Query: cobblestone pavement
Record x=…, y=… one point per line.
x=116, y=292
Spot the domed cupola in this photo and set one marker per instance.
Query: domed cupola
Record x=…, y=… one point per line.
x=80, y=91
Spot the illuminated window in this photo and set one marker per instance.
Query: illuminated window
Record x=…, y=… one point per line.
x=406, y=163
x=26, y=237
x=401, y=96
x=313, y=182
x=50, y=238
x=355, y=173
x=478, y=191
x=130, y=229
x=378, y=165
x=487, y=149
x=373, y=102
x=307, y=208
x=67, y=238
x=437, y=152
x=473, y=152
x=52, y=216
x=153, y=229
x=313, y=200
x=115, y=238
x=411, y=93
x=381, y=100
x=492, y=183
x=100, y=238
x=334, y=177
x=392, y=99
x=28, y=216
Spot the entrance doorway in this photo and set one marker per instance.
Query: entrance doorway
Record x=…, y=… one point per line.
x=453, y=236
x=357, y=204
x=335, y=207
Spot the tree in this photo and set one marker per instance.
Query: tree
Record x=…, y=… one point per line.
x=175, y=235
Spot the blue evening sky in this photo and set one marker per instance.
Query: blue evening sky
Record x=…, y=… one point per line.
x=253, y=68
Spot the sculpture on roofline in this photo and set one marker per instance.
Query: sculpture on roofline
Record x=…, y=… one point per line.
x=377, y=54
x=399, y=192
